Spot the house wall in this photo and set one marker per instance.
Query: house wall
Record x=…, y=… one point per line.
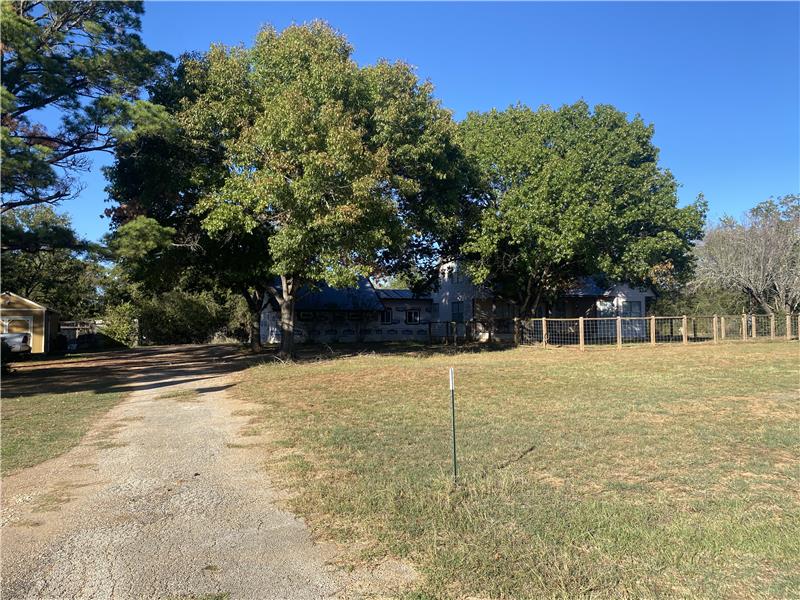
x=477, y=302
x=340, y=327
x=399, y=308
x=623, y=294
x=455, y=286
x=619, y=300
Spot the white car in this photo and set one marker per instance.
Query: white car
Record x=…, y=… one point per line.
x=19, y=343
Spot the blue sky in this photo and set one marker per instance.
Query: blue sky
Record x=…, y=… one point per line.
x=720, y=81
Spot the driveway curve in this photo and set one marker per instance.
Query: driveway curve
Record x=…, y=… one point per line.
x=164, y=498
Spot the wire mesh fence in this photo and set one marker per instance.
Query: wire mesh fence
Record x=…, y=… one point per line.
x=619, y=331
x=615, y=331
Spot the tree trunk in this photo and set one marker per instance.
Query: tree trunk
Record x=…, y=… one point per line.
x=287, y=327
x=255, y=331
x=255, y=304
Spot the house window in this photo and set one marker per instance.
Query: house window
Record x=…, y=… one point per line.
x=353, y=316
x=386, y=316
x=434, y=312
x=457, y=314
x=631, y=308
x=412, y=316
x=306, y=315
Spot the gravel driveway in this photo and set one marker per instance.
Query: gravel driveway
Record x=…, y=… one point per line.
x=164, y=498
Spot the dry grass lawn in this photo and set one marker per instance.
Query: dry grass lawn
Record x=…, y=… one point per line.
x=650, y=472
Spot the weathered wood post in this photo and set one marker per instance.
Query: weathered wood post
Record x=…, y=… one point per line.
x=652, y=330
x=744, y=327
x=772, y=327
x=619, y=333
x=754, y=325
x=430, y=332
x=714, y=326
x=517, y=332
x=685, y=329
x=580, y=334
x=788, y=328
x=544, y=332
x=455, y=334
x=722, y=327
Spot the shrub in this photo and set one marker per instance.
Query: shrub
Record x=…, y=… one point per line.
x=179, y=317
x=120, y=324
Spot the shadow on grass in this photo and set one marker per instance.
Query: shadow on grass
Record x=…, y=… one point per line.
x=162, y=367
x=127, y=371
x=316, y=352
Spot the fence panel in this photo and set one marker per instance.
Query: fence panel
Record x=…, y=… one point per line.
x=731, y=327
x=635, y=330
x=760, y=325
x=530, y=331
x=669, y=329
x=620, y=331
x=562, y=332
x=600, y=331
x=700, y=329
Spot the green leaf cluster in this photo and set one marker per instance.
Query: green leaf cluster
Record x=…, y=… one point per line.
x=83, y=60
x=352, y=168
x=574, y=192
x=46, y=262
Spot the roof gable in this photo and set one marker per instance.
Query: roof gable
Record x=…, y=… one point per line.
x=12, y=300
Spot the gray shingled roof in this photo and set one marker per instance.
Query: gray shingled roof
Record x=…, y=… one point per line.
x=362, y=297
x=587, y=287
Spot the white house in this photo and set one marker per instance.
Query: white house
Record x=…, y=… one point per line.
x=458, y=299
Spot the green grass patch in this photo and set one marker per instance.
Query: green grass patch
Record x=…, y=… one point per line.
x=42, y=426
x=181, y=395
x=650, y=472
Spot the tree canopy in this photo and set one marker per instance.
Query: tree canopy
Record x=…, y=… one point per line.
x=327, y=169
x=84, y=61
x=573, y=192
x=65, y=277
x=758, y=256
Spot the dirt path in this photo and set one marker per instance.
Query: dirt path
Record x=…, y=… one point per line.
x=163, y=499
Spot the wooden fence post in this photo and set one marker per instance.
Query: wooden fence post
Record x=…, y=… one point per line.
x=517, y=332
x=619, y=333
x=744, y=327
x=714, y=325
x=544, y=332
x=685, y=328
x=772, y=327
x=580, y=333
x=652, y=330
x=788, y=328
x=455, y=334
x=430, y=332
x=722, y=327
x=754, y=325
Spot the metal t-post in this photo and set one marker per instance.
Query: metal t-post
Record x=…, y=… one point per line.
x=453, y=422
